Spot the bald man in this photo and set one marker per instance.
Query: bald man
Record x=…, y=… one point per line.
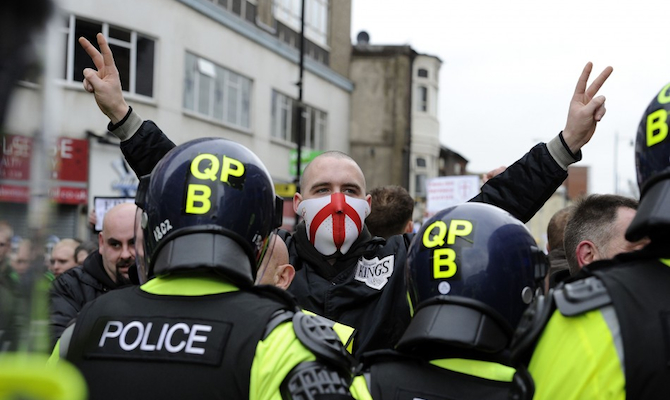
x=116, y=241
x=102, y=271
x=275, y=269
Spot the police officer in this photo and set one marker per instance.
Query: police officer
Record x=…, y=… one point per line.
x=472, y=270
x=606, y=333
x=197, y=327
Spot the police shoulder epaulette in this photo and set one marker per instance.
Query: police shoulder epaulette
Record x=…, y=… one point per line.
x=317, y=334
x=580, y=296
x=277, y=318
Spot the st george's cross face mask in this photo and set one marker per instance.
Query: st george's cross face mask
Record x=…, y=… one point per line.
x=333, y=222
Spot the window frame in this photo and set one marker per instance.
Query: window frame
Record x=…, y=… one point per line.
x=244, y=5
x=316, y=18
x=222, y=81
x=422, y=98
x=71, y=41
x=316, y=122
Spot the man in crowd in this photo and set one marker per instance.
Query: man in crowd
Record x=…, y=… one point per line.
x=349, y=276
x=596, y=229
x=9, y=290
x=558, y=264
x=102, y=271
x=6, y=234
x=221, y=337
x=84, y=250
x=63, y=256
x=604, y=335
x=390, y=211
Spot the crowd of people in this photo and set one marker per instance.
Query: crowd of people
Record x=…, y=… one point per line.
x=194, y=292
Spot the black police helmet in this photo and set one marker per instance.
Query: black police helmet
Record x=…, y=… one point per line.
x=209, y=204
x=652, y=161
x=476, y=255
x=652, y=145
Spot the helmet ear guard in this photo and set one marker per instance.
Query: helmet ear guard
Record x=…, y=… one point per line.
x=141, y=193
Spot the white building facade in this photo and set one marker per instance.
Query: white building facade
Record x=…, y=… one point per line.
x=198, y=68
x=425, y=143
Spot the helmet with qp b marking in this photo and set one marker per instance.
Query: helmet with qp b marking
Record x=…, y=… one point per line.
x=209, y=204
x=481, y=264
x=652, y=145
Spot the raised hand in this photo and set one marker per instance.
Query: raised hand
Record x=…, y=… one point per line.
x=585, y=109
x=104, y=83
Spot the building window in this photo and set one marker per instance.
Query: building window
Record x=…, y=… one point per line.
x=422, y=73
x=422, y=99
x=420, y=185
x=215, y=92
x=316, y=18
x=421, y=162
x=242, y=8
x=283, y=122
x=133, y=53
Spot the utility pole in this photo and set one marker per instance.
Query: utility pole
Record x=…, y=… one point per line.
x=299, y=126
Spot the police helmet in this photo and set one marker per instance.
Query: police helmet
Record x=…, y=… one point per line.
x=209, y=204
x=479, y=257
x=652, y=145
x=652, y=161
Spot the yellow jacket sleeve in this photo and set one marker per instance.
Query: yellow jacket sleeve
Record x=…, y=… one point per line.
x=275, y=357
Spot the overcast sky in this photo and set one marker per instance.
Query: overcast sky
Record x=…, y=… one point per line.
x=509, y=69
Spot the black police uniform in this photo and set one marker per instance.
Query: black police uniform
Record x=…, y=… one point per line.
x=148, y=340
x=408, y=373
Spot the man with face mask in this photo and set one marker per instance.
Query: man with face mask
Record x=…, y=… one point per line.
x=102, y=271
x=342, y=273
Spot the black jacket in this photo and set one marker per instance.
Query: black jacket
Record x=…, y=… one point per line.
x=364, y=289
x=74, y=288
x=346, y=292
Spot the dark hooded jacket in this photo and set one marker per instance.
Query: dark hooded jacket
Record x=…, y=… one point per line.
x=74, y=288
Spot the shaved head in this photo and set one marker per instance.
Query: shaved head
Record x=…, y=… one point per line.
x=116, y=242
x=329, y=154
x=275, y=269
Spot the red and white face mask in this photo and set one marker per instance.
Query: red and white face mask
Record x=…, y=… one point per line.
x=333, y=222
